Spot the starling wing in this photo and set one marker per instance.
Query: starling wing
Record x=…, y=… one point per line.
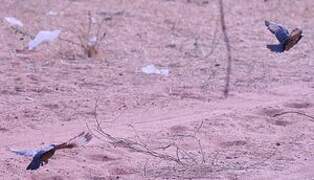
x=278, y=48
x=281, y=33
x=38, y=160
x=30, y=152
x=294, y=38
x=77, y=141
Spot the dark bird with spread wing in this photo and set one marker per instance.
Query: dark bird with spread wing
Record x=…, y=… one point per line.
x=41, y=156
x=286, y=40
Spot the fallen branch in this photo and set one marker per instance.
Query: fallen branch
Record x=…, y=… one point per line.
x=294, y=112
x=130, y=144
x=136, y=147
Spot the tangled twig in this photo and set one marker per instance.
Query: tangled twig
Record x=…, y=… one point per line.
x=132, y=145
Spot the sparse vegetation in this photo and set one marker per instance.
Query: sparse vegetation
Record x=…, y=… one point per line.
x=185, y=89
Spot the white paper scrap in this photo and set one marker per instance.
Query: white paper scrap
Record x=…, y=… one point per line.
x=43, y=36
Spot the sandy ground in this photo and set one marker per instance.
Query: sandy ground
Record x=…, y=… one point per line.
x=49, y=95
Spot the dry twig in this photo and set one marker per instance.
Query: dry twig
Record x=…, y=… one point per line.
x=130, y=144
x=294, y=112
x=227, y=42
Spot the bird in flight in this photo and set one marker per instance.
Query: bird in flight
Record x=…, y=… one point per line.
x=42, y=155
x=286, y=40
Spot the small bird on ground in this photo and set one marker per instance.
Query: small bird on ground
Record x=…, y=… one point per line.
x=286, y=40
x=41, y=156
